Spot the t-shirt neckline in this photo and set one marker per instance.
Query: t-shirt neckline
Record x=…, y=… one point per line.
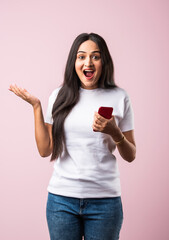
x=89, y=90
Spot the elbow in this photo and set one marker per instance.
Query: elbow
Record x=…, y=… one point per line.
x=45, y=154
x=131, y=158
x=44, y=151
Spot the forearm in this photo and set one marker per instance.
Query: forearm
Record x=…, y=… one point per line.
x=126, y=146
x=41, y=133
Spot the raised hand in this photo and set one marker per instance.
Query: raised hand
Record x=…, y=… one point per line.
x=24, y=94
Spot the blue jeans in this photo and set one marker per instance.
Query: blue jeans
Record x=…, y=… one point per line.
x=94, y=218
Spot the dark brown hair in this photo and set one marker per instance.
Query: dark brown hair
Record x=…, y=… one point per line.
x=68, y=95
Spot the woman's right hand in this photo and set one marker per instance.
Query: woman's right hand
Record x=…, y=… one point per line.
x=25, y=95
x=43, y=131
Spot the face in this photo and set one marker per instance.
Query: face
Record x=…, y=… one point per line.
x=88, y=64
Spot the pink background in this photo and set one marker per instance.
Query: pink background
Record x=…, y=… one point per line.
x=35, y=38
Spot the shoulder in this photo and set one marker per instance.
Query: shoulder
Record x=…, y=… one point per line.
x=54, y=94
x=117, y=92
x=121, y=91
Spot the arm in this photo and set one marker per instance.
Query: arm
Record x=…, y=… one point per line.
x=43, y=131
x=126, y=145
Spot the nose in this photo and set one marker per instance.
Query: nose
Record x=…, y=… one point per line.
x=88, y=62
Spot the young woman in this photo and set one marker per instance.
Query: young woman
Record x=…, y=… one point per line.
x=84, y=196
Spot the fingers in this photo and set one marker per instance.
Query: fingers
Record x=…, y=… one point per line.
x=99, y=122
x=13, y=88
x=20, y=92
x=99, y=118
x=97, y=128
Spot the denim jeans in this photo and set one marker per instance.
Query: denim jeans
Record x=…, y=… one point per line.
x=94, y=218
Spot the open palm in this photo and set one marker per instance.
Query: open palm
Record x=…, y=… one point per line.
x=24, y=94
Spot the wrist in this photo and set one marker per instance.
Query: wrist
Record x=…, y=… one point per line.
x=36, y=105
x=120, y=140
x=117, y=136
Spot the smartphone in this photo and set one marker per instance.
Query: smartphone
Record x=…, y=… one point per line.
x=105, y=112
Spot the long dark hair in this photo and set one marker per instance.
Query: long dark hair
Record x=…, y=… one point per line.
x=68, y=95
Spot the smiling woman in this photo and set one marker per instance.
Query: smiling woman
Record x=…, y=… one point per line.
x=84, y=196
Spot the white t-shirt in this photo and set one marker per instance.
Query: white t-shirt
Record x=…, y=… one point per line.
x=88, y=169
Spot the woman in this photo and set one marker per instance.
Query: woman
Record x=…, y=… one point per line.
x=84, y=191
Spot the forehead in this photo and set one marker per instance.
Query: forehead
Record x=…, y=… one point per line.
x=88, y=46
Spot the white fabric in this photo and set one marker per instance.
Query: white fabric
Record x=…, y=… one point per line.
x=89, y=169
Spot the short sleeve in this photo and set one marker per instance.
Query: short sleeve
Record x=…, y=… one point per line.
x=52, y=98
x=127, y=122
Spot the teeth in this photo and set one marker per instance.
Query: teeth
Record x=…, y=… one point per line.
x=89, y=71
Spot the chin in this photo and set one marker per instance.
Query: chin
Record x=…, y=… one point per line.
x=89, y=86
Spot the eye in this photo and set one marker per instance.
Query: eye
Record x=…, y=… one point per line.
x=96, y=57
x=81, y=57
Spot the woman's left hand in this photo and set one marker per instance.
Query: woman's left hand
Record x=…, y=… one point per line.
x=104, y=125
x=127, y=148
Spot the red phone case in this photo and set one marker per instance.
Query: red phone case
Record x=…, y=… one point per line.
x=105, y=112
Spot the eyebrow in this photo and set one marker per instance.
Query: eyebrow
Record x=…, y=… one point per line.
x=85, y=52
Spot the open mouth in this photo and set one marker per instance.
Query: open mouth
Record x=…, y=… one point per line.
x=88, y=73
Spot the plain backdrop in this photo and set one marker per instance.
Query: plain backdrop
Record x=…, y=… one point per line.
x=35, y=39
